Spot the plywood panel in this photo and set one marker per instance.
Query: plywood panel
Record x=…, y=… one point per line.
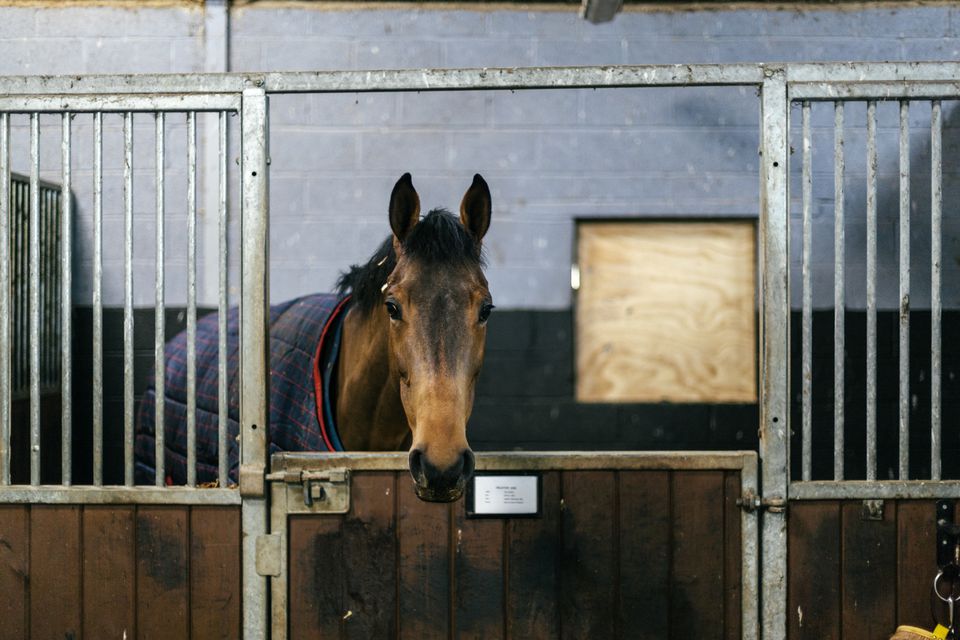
x=665, y=312
x=14, y=571
x=55, y=571
x=533, y=556
x=424, y=557
x=813, y=590
x=587, y=574
x=316, y=577
x=109, y=572
x=162, y=572
x=645, y=553
x=370, y=552
x=215, y=572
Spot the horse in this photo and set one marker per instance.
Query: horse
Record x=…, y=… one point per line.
x=389, y=362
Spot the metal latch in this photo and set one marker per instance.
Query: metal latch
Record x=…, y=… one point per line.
x=325, y=491
x=751, y=502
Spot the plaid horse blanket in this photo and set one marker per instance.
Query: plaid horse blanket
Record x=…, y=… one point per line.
x=304, y=344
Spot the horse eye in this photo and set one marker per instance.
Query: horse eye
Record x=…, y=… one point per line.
x=485, y=312
x=393, y=310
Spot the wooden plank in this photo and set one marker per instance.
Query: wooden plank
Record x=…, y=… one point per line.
x=55, y=571
x=588, y=563
x=696, y=590
x=644, y=588
x=424, y=557
x=215, y=594
x=533, y=557
x=370, y=553
x=813, y=589
x=315, y=601
x=869, y=566
x=14, y=571
x=162, y=572
x=109, y=571
x=666, y=312
x=478, y=581
x=732, y=557
x=917, y=564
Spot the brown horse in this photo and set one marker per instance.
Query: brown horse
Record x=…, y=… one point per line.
x=413, y=340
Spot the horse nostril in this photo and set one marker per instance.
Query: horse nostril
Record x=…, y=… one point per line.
x=416, y=464
x=469, y=464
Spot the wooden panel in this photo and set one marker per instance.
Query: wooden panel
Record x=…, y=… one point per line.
x=109, y=572
x=916, y=548
x=732, y=557
x=869, y=567
x=424, y=530
x=478, y=581
x=315, y=603
x=162, y=567
x=370, y=553
x=533, y=555
x=645, y=553
x=813, y=590
x=215, y=572
x=665, y=311
x=696, y=592
x=588, y=578
x=14, y=571
x=55, y=571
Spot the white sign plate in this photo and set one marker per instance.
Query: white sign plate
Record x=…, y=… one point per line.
x=504, y=495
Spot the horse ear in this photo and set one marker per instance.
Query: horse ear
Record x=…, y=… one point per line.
x=475, y=208
x=404, y=207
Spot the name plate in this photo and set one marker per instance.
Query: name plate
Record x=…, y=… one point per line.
x=493, y=495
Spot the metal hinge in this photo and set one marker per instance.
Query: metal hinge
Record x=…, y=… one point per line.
x=316, y=491
x=751, y=502
x=268, y=554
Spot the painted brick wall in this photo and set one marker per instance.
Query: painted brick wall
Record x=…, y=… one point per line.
x=550, y=157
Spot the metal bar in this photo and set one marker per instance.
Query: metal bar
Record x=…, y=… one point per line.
x=34, y=231
x=159, y=326
x=879, y=90
x=775, y=337
x=904, y=290
x=106, y=103
x=874, y=490
x=807, y=312
x=279, y=515
x=56, y=494
x=851, y=72
x=936, y=256
x=871, y=290
x=254, y=358
x=223, y=384
x=839, y=286
x=98, y=299
x=66, y=306
x=191, y=299
x=749, y=555
x=6, y=370
x=128, y=299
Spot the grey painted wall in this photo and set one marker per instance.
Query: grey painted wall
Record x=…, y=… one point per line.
x=550, y=157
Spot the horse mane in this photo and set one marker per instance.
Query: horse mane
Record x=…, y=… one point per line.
x=438, y=238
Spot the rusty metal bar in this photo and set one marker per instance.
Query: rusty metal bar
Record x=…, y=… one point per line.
x=904, y=372
x=936, y=303
x=66, y=306
x=98, y=299
x=223, y=384
x=34, y=231
x=839, y=288
x=159, y=322
x=6, y=347
x=871, y=290
x=191, y=299
x=128, y=299
x=806, y=376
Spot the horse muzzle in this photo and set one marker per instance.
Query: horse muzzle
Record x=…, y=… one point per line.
x=440, y=485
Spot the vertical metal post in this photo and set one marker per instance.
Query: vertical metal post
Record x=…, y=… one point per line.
x=98, y=298
x=66, y=307
x=191, y=299
x=159, y=322
x=34, y=230
x=223, y=384
x=774, y=336
x=750, y=558
x=806, y=381
x=128, y=299
x=5, y=346
x=254, y=357
x=839, y=286
x=936, y=254
x=871, y=290
x=904, y=449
